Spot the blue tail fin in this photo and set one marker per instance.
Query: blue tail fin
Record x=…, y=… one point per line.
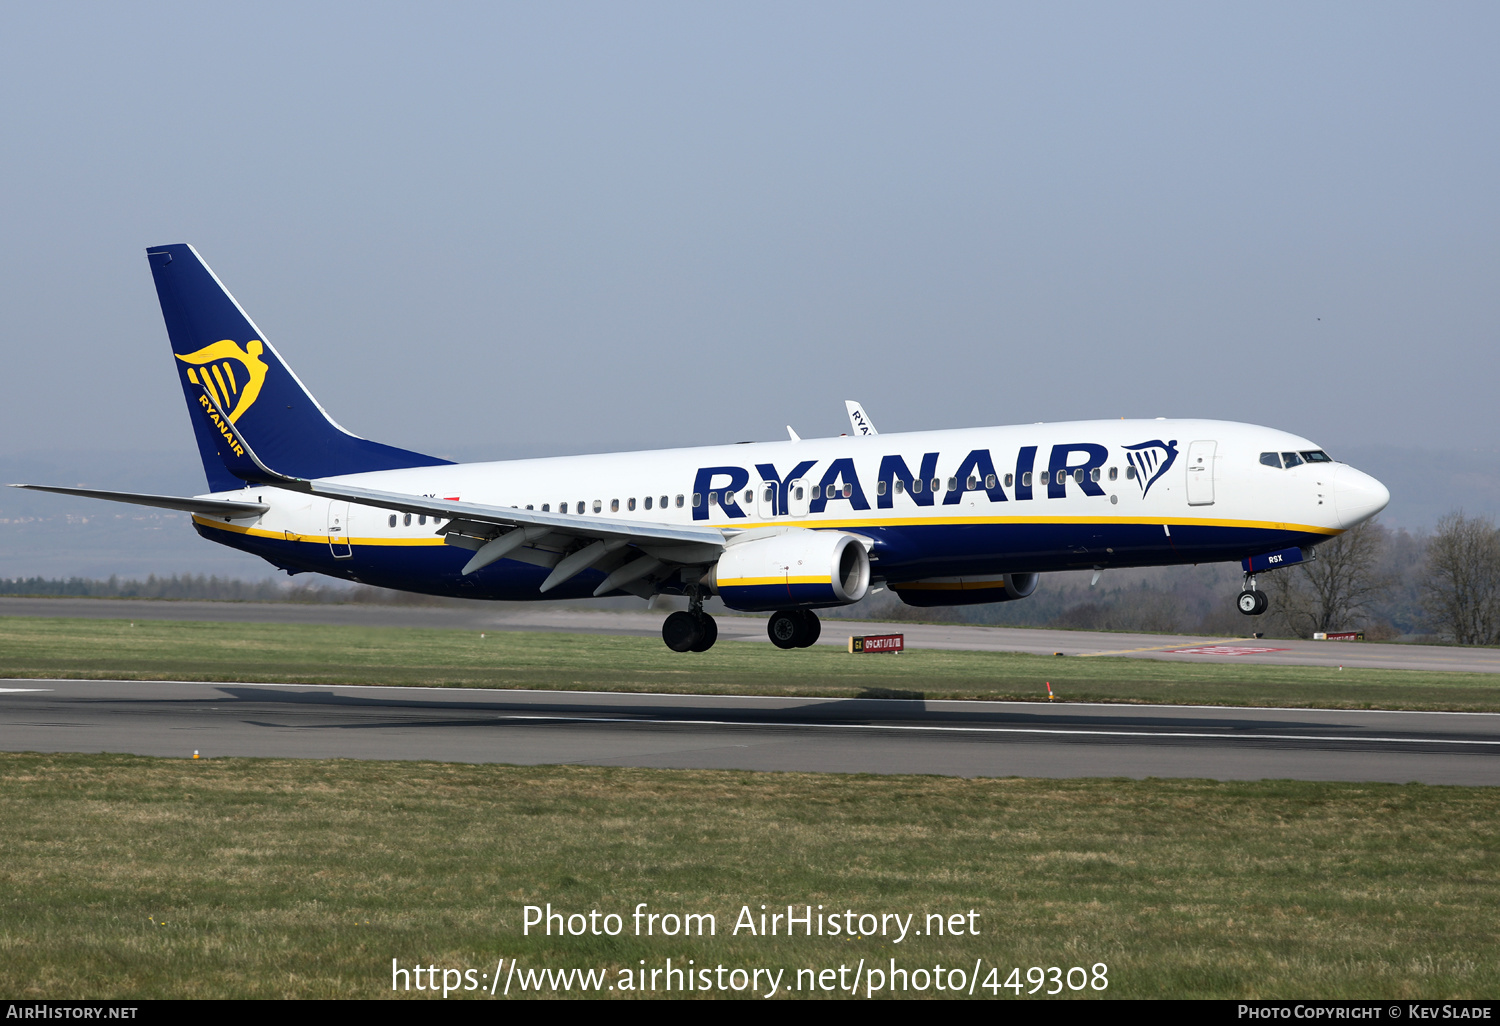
x=219, y=349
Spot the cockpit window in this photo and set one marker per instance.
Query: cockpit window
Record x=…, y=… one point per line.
x=1292, y=460
x=1271, y=459
x=1317, y=456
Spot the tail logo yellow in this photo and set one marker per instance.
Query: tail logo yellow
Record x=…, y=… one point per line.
x=233, y=376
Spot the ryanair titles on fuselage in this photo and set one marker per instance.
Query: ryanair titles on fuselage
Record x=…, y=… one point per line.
x=1082, y=462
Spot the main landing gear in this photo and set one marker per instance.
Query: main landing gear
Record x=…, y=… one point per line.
x=794, y=628
x=1251, y=601
x=690, y=631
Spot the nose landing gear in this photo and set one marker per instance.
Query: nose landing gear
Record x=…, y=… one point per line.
x=690, y=631
x=1252, y=602
x=794, y=628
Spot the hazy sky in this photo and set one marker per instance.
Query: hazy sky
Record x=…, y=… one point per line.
x=492, y=229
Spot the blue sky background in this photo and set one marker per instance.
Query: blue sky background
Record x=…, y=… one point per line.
x=495, y=230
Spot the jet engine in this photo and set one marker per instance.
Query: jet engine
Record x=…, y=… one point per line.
x=791, y=567
x=966, y=591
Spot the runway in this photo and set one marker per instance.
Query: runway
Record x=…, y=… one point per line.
x=751, y=629
x=713, y=732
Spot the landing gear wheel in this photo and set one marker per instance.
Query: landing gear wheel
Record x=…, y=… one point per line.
x=785, y=628
x=812, y=627
x=681, y=631
x=709, y=631
x=1253, y=603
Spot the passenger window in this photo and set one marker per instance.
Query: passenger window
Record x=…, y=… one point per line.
x=973, y=483
x=952, y=484
x=546, y=507
x=1317, y=456
x=1026, y=479
x=1130, y=473
x=1114, y=473
x=614, y=505
x=1010, y=480
x=1094, y=475
x=1271, y=459
x=598, y=506
x=679, y=501
x=749, y=496
x=898, y=485
x=580, y=506
x=1062, y=476
x=770, y=493
x=799, y=491
x=936, y=484
x=528, y=505
x=630, y=503
x=697, y=499
x=393, y=520
x=848, y=491
x=1077, y=475
x=880, y=487
x=648, y=502
x=1291, y=459
x=989, y=480
x=422, y=519
x=406, y=520
x=916, y=486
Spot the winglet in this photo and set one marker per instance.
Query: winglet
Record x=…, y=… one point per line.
x=858, y=419
x=792, y=434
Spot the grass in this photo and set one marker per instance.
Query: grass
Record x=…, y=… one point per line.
x=131, y=877
x=155, y=650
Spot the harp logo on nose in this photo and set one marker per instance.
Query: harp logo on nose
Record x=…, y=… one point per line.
x=231, y=375
x=1151, y=460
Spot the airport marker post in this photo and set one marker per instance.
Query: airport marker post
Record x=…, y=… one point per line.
x=871, y=643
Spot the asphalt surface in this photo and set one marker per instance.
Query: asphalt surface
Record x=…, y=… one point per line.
x=818, y=735
x=750, y=629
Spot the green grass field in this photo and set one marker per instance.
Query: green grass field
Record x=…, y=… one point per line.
x=132, y=877
x=154, y=650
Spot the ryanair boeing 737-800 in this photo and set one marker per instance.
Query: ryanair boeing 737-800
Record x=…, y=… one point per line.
x=939, y=517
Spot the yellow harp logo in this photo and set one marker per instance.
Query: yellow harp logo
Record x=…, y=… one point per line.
x=233, y=376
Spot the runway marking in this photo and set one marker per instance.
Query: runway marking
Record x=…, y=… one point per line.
x=929, y=702
x=1228, y=650
x=12, y=690
x=1002, y=730
x=1160, y=648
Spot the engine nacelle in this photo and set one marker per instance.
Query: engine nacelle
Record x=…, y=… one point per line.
x=966, y=591
x=791, y=567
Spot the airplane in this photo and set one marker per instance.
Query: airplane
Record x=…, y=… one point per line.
x=940, y=518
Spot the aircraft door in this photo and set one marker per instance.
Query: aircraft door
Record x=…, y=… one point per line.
x=765, y=500
x=338, y=529
x=798, y=497
x=1200, y=473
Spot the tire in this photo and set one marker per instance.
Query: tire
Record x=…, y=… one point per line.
x=1265, y=603
x=681, y=631
x=812, y=627
x=709, y=633
x=1248, y=602
x=785, y=628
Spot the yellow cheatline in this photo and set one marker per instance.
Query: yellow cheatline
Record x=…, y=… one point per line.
x=259, y=532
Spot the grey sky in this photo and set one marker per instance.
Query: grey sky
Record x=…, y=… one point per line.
x=502, y=230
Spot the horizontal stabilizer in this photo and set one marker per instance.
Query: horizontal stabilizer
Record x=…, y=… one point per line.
x=188, y=504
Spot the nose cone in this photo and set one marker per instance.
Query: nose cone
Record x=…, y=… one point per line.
x=1357, y=496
